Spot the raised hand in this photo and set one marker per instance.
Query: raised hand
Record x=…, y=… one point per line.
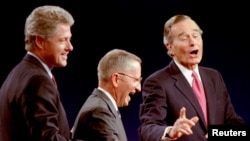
x=183, y=125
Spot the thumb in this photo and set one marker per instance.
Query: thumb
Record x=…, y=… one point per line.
x=194, y=119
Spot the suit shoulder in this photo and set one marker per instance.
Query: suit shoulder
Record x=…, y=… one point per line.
x=165, y=71
x=208, y=70
x=94, y=101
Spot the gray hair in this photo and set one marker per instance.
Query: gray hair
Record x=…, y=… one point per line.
x=167, y=37
x=116, y=60
x=43, y=22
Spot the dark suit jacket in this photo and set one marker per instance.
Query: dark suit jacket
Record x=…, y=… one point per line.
x=30, y=105
x=167, y=90
x=98, y=120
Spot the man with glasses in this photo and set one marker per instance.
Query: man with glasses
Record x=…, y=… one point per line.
x=119, y=75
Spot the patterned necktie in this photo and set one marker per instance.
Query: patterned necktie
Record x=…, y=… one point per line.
x=54, y=81
x=200, y=94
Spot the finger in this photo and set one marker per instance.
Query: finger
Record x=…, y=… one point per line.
x=184, y=131
x=179, y=134
x=195, y=119
x=183, y=113
x=190, y=123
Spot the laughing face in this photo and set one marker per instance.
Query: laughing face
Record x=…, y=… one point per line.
x=187, y=45
x=129, y=85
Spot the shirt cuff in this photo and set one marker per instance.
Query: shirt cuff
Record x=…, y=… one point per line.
x=165, y=136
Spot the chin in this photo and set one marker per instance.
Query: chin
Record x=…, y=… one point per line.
x=195, y=61
x=198, y=61
x=126, y=104
x=63, y=64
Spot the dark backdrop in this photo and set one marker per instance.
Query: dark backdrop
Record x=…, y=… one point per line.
x=137, y=26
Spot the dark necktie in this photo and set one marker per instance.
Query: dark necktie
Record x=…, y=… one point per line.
x=54, y=81
x=200, y=94
x=119, y=114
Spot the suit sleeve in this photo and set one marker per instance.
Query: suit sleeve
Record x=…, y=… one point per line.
x=40, y=105
x=98, y=124
x=231, y=117
x=152, y=111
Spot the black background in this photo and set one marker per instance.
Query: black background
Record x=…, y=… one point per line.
x=137, y=26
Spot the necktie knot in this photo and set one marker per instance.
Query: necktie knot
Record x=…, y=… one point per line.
x=194, y=74
x=196, y=83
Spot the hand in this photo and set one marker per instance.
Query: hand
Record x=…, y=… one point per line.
x=182, y=125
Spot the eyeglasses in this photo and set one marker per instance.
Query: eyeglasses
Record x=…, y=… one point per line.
x=136, y=79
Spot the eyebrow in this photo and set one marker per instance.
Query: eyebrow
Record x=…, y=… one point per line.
x=195, y=30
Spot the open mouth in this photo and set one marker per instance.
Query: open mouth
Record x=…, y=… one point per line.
x=194, y=51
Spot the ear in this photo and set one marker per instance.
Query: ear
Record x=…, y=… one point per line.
x=39, y=42
x=169, y=49
x=114, y=79
x=168, y=46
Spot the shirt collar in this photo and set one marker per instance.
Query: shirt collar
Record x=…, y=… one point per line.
x=109, y=96
x=43, y=64
x=187, y=73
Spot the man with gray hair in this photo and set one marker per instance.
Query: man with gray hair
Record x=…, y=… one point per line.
x=119, y=75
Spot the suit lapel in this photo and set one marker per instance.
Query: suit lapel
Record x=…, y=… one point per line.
x=184, y=87
x=108, y=101
x=210, y=95
x=121, y=130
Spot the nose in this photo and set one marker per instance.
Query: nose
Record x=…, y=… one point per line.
x=138, y=87
x=192, y=40
x=70, y=46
